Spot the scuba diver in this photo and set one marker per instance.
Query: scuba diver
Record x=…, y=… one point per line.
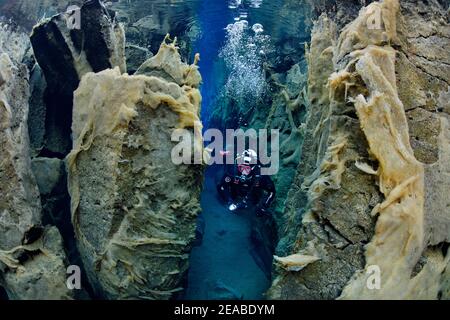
x=245, y=185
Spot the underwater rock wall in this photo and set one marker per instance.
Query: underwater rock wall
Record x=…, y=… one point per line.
x=138, y=246
x=341, y=12
x=134, y=211
x=32, y=258
x=369, y=187
x=65, y=55
x=287, y=115
x=26, y=13
x=147, y=22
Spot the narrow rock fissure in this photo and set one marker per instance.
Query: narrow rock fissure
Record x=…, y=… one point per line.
x=234, y=257
x=352, y=97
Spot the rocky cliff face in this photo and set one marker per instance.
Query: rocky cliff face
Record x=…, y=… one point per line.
x=133, y=232
x=147, y=22
x=133, y=210
x=65, y=55
x=32, y=259
x=34, y=194
x=376, y=141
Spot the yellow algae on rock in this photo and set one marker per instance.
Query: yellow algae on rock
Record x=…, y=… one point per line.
x=134, y=210
x=376, y=25
x=295, y=262
x=330, y=171
x=167, y=64
x=399, y=240
x=384, y=94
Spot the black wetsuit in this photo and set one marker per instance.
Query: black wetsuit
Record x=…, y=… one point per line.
x=253, y=189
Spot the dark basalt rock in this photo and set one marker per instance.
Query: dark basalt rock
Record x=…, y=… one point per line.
x=38, y=110
x=65, y=56
x=96, y=22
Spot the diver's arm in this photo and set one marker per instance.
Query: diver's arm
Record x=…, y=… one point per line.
x=269, y=199
x=224, y=188
x=268, y=186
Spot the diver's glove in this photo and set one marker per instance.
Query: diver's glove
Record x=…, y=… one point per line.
x=236, y=206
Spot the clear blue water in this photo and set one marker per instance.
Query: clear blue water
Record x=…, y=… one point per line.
x=225, y=265
x=236, y=37
x=213, y=17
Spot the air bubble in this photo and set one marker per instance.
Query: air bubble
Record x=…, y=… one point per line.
x=234, y=4
x=244, y=23
x=255, y=3
x=258, y=28
x=244, y=53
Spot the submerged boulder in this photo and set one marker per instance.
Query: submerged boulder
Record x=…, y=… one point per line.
x=65, y=55
x=48, y=173
x=32, y=259
x=134, y=211
x=136, y=56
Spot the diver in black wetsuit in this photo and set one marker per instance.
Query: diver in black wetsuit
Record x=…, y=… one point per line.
x=245, y=185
